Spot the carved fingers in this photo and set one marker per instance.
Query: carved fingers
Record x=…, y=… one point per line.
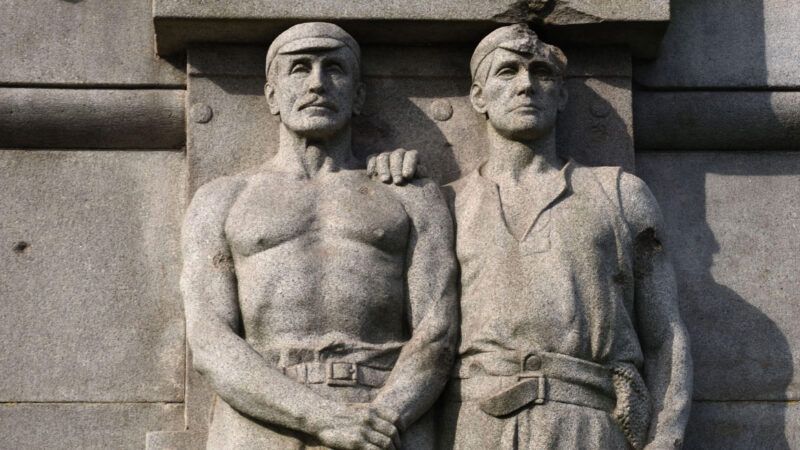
x=362, y=429
x=396, y=167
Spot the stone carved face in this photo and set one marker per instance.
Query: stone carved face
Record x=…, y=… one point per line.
x=521, y=96
x=315, y=93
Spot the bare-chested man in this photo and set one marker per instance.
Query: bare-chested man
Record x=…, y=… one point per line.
x=320, y=304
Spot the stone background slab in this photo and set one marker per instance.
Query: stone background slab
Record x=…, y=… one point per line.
x=732, y=222
x=37, y=426
x=90, y=305
x=82, y=42
x=727, y=44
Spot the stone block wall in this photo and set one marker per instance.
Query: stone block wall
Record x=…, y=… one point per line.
x=102, y=143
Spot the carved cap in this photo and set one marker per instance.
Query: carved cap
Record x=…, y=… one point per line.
x=311, y=36
x=518, y=38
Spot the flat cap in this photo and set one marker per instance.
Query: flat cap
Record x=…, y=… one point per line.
x=311, y=36
x=519, y=38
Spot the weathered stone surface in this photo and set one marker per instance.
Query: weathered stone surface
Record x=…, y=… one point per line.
x=629, y=22
x=732, y=43
x=84, y=425
x=743, y=425
x=596, y=128
x=91, y=118
x=175, y=440
x=90, y=257
x=732, y=220
x=717, y=120
x=96, y=42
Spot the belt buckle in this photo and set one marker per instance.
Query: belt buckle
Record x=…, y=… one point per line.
x=541, y=387
x=341, y=373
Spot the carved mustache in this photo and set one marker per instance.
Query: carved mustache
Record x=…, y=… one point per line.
x=317, y=101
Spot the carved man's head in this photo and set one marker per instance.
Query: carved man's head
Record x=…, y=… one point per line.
x=314, y=79
x=517, y=82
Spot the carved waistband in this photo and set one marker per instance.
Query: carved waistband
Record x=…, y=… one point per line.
x=504, y=382
x=337, y=373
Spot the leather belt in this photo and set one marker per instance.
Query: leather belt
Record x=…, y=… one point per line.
x=520, y=380
x=337, y=373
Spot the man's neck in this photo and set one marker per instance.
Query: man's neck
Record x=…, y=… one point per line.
x=511, y=160
x=309, y=157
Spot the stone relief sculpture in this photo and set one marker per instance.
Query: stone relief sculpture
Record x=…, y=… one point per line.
x=570, y=334
x=320, y=304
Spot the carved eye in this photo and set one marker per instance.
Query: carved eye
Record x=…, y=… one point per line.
x=506, y=71
x=299, y=68
x=336, y=68
x=543, y=74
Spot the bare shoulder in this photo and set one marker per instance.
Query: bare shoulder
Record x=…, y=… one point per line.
x=213, y=199
x=423, y=200
x=639, y=205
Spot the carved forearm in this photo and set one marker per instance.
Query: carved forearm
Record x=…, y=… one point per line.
x=242, y=378
x=421, y=370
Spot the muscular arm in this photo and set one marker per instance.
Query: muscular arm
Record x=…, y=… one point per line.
x=234, y=369
x=665, y=343
x=424, y=363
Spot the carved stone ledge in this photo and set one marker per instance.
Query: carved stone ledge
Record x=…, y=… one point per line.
x=92, y=118
x=635, y=23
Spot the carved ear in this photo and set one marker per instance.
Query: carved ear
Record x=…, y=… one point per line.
x=358, y=101
x=269, y=92
x=563, y=97
x=477, y=99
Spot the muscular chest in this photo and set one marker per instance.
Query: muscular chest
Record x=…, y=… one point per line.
x=340, y=207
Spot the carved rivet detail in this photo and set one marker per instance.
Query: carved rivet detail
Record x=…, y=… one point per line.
x=201, y=113
x=441, y=110
x=600, y=109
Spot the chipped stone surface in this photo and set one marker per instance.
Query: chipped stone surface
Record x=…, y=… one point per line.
x=93, y=426
x=89, y=250
x=82, y=42
x=180, y=23
x=731, y=219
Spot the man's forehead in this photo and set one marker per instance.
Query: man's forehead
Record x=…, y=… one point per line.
x=525, y=55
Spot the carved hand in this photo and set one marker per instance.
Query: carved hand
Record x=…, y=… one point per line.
x=396, y=167
x=367, y=428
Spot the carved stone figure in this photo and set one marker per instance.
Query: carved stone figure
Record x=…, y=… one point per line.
x=320, y=304
x=570, y=335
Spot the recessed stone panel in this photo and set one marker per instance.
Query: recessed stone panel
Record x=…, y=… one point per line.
x=89, y=302
x=732, y=223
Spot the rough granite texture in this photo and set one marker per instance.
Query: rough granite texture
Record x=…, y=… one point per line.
x=727, y=44
x=179, y=23
x=82, y=42
x=717, y=120
x=743, y=426
x=95, y=426
x=92, y=118
x=731, y=218
x=90, y=305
